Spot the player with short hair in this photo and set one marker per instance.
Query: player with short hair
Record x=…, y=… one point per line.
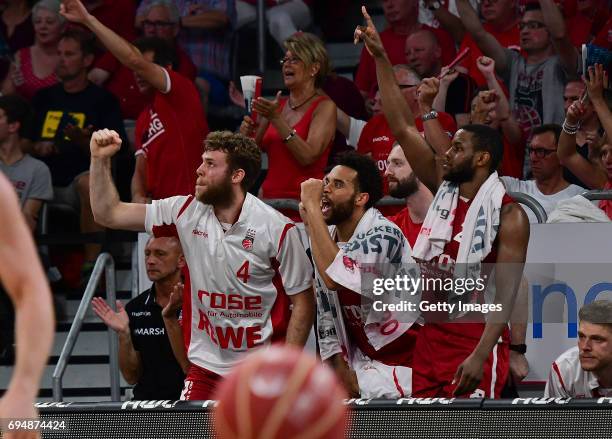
x=371, y=351
x=246, y=261
x=470, y=222
x=585, y=371
x=403, y=183
x=24, y=280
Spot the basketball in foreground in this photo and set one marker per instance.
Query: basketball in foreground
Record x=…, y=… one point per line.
x=280, y=392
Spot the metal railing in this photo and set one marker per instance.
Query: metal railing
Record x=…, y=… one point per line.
x=261, y=36
x=527, y=200
x=598, y=195
x=531, y=203
x=104, y=265
x=135, y=270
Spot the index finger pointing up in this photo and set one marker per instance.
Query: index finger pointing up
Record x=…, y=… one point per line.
x=367, y=17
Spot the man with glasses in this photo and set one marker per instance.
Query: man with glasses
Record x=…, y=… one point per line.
x=161, y=20
x=171, y=129
x=535, y=81
x=548, y=186
x=206, y=33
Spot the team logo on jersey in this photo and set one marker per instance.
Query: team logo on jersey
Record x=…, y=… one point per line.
x=247, y=242
x=349, y=263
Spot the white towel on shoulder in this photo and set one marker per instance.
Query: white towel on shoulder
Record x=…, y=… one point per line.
x=479, y=227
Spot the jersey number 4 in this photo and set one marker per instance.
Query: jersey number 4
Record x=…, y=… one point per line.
x=243, y=272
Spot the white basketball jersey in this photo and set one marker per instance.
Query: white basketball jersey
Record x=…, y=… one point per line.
x=239, y=280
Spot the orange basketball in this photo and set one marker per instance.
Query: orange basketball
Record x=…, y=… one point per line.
x=280, y=392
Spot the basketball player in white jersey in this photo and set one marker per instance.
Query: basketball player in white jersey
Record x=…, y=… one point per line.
x=246, y=261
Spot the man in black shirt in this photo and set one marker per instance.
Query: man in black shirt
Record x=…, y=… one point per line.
x=146, y=357
x=66, y=115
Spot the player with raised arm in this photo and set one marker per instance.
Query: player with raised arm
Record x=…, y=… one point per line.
x=26, y=284
x=471, y=220
x=246, y=262
x=371, y=351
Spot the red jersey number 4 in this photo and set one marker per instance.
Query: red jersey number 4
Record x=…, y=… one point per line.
x=243, y=272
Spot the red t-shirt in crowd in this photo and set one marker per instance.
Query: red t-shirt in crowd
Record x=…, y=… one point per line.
x=285, y=174
x=170, y=133
x=407, y=226
x=606, y=205
x=376, y=138
x=122, y=82
x=509, y=38
x=512, y=161
x=394, y=45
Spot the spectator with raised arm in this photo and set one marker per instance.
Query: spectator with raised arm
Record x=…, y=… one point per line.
x=443, y=14
x=170, y=130
x=297, y=131
x=596, y=174
x=147, y=356
x=535, y=81
x=34, y=67
x=423, y=54
x=206, y=34
x=589, y=130
x=497, y=114
x=402, y=18
x=501, y=20
x=161, y=20
x=376, y=138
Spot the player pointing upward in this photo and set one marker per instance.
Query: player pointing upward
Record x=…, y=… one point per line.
x=471, y=220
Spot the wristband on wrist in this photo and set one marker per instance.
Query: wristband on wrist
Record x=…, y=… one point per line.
x=290, y=136
x=569, y=129
x=520, y=348
x=433, y=114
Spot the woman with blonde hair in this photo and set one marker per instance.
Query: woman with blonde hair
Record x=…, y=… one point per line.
x=296, y=132
x=34, y=67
